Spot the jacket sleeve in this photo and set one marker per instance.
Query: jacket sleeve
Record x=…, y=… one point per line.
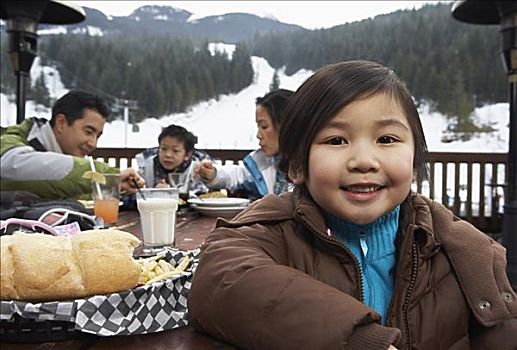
x=48, y=175
x=245, y=293
x=230, y=176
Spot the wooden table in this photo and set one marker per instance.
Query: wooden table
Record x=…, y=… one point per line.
x=191, y=230
x=184, y=338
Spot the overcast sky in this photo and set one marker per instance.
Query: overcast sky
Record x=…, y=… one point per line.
x=308, y=14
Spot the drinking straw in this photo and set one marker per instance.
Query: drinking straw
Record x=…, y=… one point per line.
x=138, y=188
x=97, y=186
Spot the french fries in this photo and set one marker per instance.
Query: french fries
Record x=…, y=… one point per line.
x=155, y=268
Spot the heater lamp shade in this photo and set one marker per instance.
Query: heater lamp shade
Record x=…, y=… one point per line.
x=43, y=11
x=482, y=12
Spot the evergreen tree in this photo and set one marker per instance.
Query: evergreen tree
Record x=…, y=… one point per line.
x=241, y=69
x=8, y=78
x=39, y=91
x=275, y=82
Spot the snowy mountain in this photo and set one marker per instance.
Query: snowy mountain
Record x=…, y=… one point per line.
x=229, y=122
x=153, y=20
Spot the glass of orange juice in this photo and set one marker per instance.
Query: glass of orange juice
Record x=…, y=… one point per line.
x=106, y=198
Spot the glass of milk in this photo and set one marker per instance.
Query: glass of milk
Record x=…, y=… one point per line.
x=157, y=207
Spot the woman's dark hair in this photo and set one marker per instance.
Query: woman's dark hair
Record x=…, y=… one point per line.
x=188, y=139
x=325, y=93
x=73, y=104
x=274, y=102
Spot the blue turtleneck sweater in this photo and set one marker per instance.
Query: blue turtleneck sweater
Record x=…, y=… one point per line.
x=373, y=246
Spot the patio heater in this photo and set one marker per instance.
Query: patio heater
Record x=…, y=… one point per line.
x=23, y=18
x=503, y=13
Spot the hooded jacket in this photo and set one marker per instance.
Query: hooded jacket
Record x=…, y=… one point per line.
x=32, y=165
x=273, y=278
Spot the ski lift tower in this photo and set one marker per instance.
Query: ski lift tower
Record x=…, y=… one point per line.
x=503, y=13
x=23, y=18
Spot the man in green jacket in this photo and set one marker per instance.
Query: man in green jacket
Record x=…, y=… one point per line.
x=41, y=159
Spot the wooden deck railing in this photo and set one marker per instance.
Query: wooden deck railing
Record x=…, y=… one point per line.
x=470, y=184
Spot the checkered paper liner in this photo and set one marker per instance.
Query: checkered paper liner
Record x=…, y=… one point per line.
x=145, y=309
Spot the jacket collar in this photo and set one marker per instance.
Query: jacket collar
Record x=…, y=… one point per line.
x=296, y=205
x=474, y=256
x=42, y=138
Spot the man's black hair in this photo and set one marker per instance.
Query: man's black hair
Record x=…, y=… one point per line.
x=73, y=104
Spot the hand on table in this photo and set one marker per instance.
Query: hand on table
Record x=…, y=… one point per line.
x=206, y=170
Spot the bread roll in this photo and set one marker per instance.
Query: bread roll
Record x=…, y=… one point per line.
x=39, y=267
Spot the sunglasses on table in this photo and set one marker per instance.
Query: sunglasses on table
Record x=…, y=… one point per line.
x=63, y=216
x=11, y=225
x=47, y=222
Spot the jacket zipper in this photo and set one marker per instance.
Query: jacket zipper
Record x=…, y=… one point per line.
x=332, y=240
x=405, y=306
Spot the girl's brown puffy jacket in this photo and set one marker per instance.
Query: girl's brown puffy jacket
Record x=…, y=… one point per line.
x=273, y=279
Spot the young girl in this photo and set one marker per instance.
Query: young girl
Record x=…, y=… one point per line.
x=259, y=173
x=352, y=259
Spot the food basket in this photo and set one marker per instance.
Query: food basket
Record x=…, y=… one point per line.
x=144, y=309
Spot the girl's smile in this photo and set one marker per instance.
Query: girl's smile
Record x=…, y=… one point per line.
x=362, y=192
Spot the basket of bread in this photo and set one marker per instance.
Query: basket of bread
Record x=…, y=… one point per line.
x=54, y=287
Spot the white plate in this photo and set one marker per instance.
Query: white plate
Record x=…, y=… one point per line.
x=219, y=202
x=225, y=212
